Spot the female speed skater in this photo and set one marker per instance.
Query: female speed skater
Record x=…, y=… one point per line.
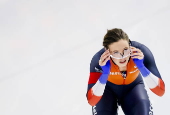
x=116, y=77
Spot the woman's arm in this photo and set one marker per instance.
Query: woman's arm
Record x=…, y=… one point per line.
x=149, y=71
x=97, y=80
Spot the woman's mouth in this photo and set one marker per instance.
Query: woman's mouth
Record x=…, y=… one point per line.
x=122, y=62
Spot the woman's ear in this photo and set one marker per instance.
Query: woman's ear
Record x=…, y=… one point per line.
x=105, y=48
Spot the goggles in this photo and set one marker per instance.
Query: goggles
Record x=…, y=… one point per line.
x=117, y=55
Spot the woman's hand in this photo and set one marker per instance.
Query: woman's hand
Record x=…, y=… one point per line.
x=104, y=62
x=104, y=58
x=137, y=56
x=136, y=53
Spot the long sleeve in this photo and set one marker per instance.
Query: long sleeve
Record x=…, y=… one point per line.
x=95, y=93
x=97, y=82
x=150, y=73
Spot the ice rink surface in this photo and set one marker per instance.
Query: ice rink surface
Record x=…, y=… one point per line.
x=46, y=47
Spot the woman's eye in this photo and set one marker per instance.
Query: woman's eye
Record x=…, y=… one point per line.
x=126, y=50
x=115, y=52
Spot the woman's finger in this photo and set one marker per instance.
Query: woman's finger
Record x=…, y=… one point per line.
x=105, y=53
x=108, y=58
x=137, y=57
x=136, y=49
x=105, y=56
x=103, y=62
x=133, y=54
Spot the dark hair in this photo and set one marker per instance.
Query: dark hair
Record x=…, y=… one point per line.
x=114, y=35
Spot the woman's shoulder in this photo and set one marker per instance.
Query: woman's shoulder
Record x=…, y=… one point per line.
x=138, y=45
x=94, y=64
x=99, y=53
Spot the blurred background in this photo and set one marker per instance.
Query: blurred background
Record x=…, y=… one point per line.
x=46, y=47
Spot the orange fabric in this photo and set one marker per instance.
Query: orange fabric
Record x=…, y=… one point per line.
x=159, y=90
x=162, y=85
x=116, y=76
x=93, y=99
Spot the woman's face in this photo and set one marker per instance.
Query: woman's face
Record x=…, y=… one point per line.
x=117, y=49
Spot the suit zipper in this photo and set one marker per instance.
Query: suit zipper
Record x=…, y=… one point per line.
x=124, y=78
